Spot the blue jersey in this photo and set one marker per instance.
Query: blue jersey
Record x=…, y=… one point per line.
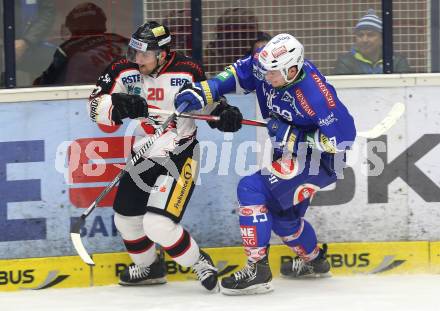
x=310, y=103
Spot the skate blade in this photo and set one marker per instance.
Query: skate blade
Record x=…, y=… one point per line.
x=307, y=276
x=157, y=281
x=215, y=290
x=251, y=290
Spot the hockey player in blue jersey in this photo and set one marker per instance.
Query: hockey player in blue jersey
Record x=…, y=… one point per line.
x=305, y=118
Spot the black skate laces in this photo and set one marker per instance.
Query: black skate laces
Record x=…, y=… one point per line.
x=138, y=271
x=203, y=268
x=247, y=272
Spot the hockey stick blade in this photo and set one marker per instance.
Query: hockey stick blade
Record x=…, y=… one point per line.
x=75, y=236
x=388, y=122
x=80, y=249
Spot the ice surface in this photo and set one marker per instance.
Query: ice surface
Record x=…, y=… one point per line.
x=396, y=293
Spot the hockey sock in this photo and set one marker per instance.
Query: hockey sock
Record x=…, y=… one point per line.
x=175, y=240
x=140, y=248
x=255, y=227
x=303, y=241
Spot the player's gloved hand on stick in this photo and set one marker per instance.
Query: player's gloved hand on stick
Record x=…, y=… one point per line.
x=230, y=117
x=191, y=93
x=128, y=106
x=288, y=136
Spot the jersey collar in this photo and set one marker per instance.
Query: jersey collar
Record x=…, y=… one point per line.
x=300, y=77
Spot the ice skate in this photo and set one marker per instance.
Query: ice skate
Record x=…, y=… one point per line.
x=206, y=272
x=254, y=278
x=135, y=275
x=298, y=268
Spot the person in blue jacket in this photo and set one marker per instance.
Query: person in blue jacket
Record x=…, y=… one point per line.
x=305, y=118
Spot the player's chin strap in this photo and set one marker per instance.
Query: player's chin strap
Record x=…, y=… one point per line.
x=76, y=228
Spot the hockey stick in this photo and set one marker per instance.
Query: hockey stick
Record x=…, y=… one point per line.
x=388, y=122
x=381, y=128
x=75, y=230
x=206, y=117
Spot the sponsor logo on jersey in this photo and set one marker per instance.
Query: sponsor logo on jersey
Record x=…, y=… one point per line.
x=94, y=104
x=179, y=81
x=131, y=89
x=249, y=235
x=105, y=79
x=324, y=91
x=224, y=75
x=131, y=79
x=304, y=103
x=328, y=120
x=183, y=188
x=328, y=144
x=304, y=192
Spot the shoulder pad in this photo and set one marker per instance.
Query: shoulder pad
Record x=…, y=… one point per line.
x=184, y=63
x=122, y=64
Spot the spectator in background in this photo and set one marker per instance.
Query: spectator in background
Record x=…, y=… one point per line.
x=85, y=55
x=236, y=31
x=33, y=21
x=366, y=55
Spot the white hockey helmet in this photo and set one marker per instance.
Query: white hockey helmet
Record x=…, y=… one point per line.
x=282, y=52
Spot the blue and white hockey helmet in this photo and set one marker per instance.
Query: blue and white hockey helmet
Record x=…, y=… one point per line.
x=282, y=52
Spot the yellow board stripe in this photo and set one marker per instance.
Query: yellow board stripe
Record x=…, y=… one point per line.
x=345, y=259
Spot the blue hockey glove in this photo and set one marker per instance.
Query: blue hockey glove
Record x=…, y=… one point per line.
x=191, y=93
x=288, y=136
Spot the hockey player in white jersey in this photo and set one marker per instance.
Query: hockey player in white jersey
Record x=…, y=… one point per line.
x=152, y=74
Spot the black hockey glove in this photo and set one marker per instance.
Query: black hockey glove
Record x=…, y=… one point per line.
x=128, y=106
x=230, y=117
